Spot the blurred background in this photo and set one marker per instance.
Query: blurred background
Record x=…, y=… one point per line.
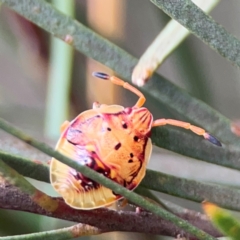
x=44, y=82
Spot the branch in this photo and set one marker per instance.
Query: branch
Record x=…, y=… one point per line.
x=99, y=178
x=105, y=219
x=103, y=51
x=75, y=231
x=7, y=174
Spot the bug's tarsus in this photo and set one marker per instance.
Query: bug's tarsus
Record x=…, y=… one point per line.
x=101, y=75
x=212, y=139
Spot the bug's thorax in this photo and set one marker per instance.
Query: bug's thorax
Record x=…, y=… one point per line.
x=140, y=118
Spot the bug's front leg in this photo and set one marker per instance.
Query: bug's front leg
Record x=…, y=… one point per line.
x=186, y=125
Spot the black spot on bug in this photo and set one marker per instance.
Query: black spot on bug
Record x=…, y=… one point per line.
x=135, y=138
x=124, y=125
x=109, y=129
x=131, y=155
x=98, y=116
x=117, y=146
x=130, y=161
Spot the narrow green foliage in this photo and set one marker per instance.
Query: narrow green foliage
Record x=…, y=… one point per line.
x=14, y=178
x=59, y=81
x=192, y=190
x=164, y=44
x=26, y=167
x=223, y=220
x=203, y=26
x=186, y=143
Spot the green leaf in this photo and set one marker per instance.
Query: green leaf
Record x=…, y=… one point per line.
x=223, y=220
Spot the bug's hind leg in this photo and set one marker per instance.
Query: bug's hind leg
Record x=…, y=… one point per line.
x=126, y=85
x=186, y=125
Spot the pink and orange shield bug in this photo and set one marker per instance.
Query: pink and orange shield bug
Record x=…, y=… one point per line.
x=112, y=140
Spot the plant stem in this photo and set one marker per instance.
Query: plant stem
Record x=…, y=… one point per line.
x=59, y=81
x=75, y=231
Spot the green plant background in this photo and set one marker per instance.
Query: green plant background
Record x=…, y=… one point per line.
x=193, y=66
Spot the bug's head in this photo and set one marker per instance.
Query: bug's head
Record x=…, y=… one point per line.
x=140, y=118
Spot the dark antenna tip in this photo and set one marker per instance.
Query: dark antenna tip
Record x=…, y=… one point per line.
x=212, y=139
x=101, y=75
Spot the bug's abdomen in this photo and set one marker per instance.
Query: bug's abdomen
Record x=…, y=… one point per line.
x=77, y=190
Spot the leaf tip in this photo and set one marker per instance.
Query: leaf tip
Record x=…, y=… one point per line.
x=210, y=208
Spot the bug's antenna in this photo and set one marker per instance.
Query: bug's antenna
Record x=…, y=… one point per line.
x=212, y=139
x=120, y=82
x=101, y=75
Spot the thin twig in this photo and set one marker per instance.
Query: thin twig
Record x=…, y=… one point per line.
x=75, y=231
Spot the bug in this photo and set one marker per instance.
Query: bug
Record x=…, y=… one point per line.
x=114, y=141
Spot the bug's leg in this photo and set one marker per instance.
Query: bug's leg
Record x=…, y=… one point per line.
x=123, y=203
x=186, y=125
x=64, y=126
x=126, y=85
x=96, y=105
